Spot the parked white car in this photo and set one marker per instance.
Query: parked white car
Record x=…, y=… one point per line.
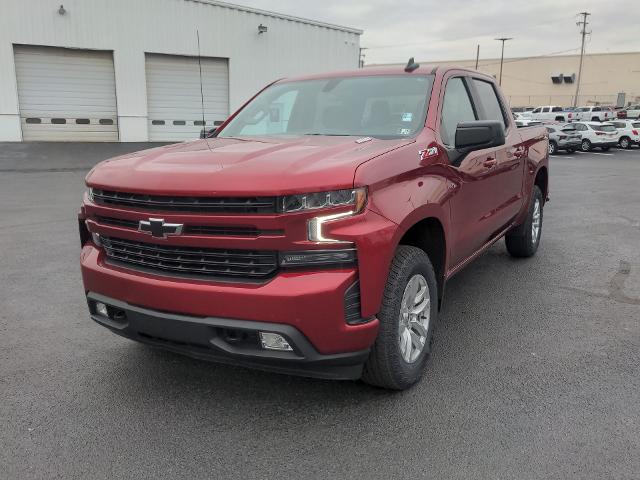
x=596, y=134
x=549, y=113
x=594, y=114
x=628, y=132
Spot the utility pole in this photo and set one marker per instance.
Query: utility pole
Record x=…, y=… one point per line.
x=503, y=39
x=361, y=57
x=477, y=56
x=583, y=24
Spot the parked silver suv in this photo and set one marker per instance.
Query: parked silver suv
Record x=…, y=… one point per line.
x=563, y=137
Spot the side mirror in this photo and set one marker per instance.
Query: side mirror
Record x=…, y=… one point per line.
x=478, y=135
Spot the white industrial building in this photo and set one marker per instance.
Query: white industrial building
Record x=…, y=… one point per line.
x=128, y=70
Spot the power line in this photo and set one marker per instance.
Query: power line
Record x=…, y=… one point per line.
x=583, y=24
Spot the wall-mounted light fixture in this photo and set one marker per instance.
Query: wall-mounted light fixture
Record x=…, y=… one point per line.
x=262, y=28
x=61, y=10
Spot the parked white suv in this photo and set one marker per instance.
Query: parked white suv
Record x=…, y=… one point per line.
x=596, y=134
x=550, y=113
x=594, y=114
x=628, y=132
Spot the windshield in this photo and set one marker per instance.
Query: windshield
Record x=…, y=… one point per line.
x=390, y=106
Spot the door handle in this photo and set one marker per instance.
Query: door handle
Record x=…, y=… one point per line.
x=490, y=162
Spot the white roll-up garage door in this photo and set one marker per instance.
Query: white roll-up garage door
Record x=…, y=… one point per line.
x=173, y=95
x=66, y=94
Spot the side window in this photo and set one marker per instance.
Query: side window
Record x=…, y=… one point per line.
x=556, y=109
x=536, y=110
x=545, y=110
x=456, y=108
x=490, y=101
x=597, y=109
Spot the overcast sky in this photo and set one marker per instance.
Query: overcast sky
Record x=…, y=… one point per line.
x=451, y=29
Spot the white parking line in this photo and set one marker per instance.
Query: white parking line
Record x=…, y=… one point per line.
x=601, y=153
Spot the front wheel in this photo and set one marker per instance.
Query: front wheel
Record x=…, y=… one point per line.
x=407, y=317
x=585, y=146
x=625, y=142
x=553, y=148
x=523, y=241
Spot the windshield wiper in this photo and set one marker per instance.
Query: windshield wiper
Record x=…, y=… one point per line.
x=329, y=134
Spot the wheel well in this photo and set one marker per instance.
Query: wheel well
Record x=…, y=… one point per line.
x=542, y=181
x=428, y=235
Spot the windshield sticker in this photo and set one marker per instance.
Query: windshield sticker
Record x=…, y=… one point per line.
x=404, y=131
x=407, y=117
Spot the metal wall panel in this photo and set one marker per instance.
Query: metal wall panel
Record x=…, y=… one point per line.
x=65, y=94
x=173, y=95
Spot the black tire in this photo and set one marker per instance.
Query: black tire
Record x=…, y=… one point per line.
x=585, y=146
x=520, y=241
x=595, y=119
x=605, y=149
x=385, y=366
x=625, y=142
x=553, y=147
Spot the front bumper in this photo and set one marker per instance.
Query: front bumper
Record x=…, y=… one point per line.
x=225, y=340
x=312, y=302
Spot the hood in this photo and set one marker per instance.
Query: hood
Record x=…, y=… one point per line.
x=229, y=166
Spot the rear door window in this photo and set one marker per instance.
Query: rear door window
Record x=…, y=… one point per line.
x=545, y=110
x=556, y=109
x=489, y=99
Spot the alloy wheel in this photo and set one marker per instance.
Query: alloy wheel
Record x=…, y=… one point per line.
x=415, y=315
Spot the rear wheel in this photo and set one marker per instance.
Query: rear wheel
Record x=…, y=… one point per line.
x=523, y=241
x=585, y=146
x=407, y=317
x=625, y=142
x=553, y=147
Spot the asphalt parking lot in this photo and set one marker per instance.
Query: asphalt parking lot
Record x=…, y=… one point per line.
x=534, y=372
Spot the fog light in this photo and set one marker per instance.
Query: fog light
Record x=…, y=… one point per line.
x=273, y=341
x=101, y=309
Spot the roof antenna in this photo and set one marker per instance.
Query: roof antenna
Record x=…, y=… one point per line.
x=411, y=65
x=203, y=133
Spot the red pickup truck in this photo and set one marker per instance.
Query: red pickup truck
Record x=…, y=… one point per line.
x=314, y=232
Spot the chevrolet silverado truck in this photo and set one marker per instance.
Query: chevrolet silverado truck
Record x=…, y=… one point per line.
x=314, y=232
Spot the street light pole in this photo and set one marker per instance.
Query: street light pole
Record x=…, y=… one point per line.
x=503, y=39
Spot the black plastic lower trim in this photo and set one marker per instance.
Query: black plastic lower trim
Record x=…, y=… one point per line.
x=225, y=340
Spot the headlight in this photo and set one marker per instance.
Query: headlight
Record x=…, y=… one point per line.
x=314, y=201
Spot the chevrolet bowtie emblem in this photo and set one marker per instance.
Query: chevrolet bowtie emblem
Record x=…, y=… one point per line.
x=157, y=228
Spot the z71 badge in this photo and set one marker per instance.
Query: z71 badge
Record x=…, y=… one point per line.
x=428, y=153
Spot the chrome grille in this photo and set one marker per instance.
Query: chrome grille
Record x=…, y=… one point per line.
x=214, y=230
x=160, y=203
x=189, y=261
